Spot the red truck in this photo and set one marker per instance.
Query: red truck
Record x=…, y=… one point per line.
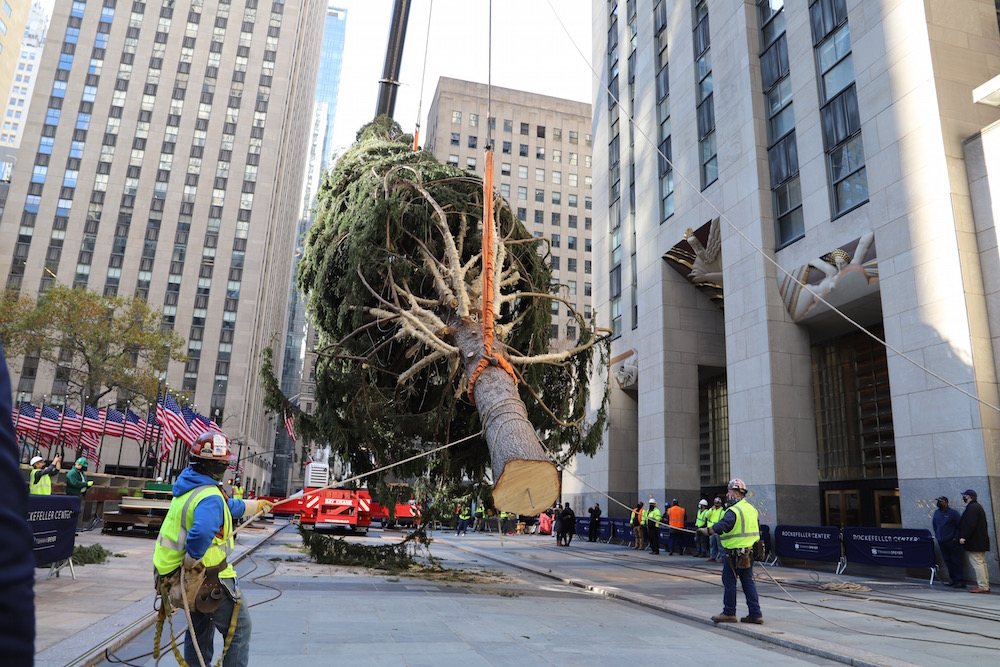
x=328, y=510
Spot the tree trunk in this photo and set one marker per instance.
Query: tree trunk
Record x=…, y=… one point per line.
x=525, y=480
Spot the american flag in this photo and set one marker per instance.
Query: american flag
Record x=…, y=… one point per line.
x=207, y=424
x=50, y=421
x=27, y=423
x=92, y=420
x=290, y=424
x=135, y=426
x=177, y=422
x=72, y=423
x=159, y=418
x=114, y=423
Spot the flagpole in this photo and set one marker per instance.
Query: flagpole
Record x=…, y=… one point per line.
x=38, y=432
x=17, y=420
x=104, y=429
x=79, y=443
x=146, y=429
x=62, y=418
x=121, y=443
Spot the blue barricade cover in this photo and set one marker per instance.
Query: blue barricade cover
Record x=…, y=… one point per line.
x=604, y=531
x=622, y=530
x=807, y=542
x=53, y=521
x=892, y=547
x=765, y=537
x=582, y=525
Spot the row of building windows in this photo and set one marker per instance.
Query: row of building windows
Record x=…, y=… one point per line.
x=573, y=136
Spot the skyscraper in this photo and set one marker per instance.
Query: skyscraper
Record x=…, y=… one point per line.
x=778, y=153
x=541, y=168
x=21, y=86
x=297, y=349
x=163, y=159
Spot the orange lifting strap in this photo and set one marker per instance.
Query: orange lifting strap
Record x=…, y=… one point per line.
x=488, y=314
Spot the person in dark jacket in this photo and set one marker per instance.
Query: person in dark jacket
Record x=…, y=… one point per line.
x=975, y=538
x=595, y=522
x=76, y=479
x=567, y=525
x=17, y=564
x=946, y=530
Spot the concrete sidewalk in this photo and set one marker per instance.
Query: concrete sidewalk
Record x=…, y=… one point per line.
x=538, y=604
x=106, y=603
x=899, y=621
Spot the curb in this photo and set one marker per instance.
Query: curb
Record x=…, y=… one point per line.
x=809, y=646
x=96, y=654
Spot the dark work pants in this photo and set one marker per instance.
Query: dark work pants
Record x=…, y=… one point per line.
x=952, y=553
x=653, y=533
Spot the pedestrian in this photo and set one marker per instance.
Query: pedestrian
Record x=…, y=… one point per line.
x=463, y=520
x=17, y=564
x=567, y=524
x=714, y=516
x=653, y=526
x=40, y=476
x=738, y=531
x=557, y=523
x=191, y=551
x=701, y=521
x=638, y=530
x=479, y=522
x=545, y=523
x=946, y=523
x=975, y=538
x=595, y=522
x=237, y=489
x=675, y=518
x=76, y=479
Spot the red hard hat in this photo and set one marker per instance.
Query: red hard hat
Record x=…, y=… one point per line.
x=212, y=446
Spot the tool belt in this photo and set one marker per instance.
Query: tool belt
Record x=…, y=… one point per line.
x=741, y=558
x=206, y=598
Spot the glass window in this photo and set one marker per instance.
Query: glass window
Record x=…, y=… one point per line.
x=473, y=120
x=540, y=175
x=522, y=171
x=456, y=117
x=508, y=125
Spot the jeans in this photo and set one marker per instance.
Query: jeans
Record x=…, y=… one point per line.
x=715, y=547
x=952, y=553
x=729, y=576
x=238, y=654
x=653, y=534
x=701, y=544
x=463, y=526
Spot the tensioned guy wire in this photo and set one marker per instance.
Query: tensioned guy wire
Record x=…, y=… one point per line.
x=758, y=249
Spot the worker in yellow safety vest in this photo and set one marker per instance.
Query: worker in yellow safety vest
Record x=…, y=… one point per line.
x=638, y=528
x=463, y=520
x=715, y=513
x=40, y=476
x=190, y=558
x=701, y=521
x=237, y=491
x=653, y=526
x=738, y=531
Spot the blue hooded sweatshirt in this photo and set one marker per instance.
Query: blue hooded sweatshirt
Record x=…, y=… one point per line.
x=208, y=515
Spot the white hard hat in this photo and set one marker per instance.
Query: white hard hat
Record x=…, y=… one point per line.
x=36, y=459
x=703, y=502
x=652, y=501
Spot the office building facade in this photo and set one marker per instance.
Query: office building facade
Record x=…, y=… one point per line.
x=541, y=157
x=21, y=86
x=760, y=167
x=163, y=160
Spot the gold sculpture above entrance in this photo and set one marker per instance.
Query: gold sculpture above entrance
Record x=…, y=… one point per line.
x=841, y=277
x=698, y=257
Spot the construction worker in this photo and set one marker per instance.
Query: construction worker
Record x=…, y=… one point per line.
x=40, y=475
x=701, y=521
x=738, y=531
x=504, y=520
x=653, y=526
x=636, y=520
x=237, y=490
x=194, y=542
x=76, y=479
x=715, y=513
x=463, y=520
x=675, y=517
x=480, y=522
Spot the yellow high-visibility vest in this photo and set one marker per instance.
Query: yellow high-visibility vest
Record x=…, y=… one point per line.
x=170, y=543
x=43, y=487
x=746, y=530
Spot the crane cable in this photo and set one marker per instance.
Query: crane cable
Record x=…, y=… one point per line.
x=489, y=243
x=423, y=77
